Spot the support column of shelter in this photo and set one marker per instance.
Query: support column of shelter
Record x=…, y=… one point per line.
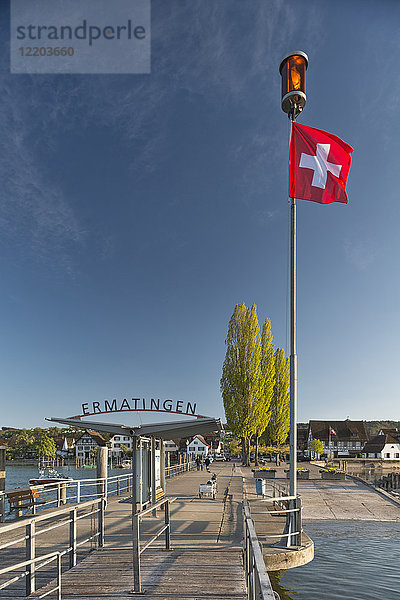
x=162, y=464
x=138, y=475
x=153, y=473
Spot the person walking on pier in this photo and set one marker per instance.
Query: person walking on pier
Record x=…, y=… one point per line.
x=207, y=462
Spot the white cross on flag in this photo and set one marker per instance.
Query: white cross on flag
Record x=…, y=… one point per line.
x=319, y=164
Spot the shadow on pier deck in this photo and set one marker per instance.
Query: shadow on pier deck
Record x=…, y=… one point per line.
x=205, y=560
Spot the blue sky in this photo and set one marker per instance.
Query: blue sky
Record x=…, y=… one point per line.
x=137, y=210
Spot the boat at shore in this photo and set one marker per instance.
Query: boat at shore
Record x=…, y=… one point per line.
x=49, y=476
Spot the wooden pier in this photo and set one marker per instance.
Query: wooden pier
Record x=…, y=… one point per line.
x=206, y=559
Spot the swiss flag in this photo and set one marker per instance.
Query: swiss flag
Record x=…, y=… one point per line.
x=319, y=164
x=332, y=431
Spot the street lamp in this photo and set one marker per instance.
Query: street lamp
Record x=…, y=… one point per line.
x=293, y=72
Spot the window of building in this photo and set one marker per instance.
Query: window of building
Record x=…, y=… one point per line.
x=117, y=438
x=396, y=455
x=387, y=455
x=87, y=448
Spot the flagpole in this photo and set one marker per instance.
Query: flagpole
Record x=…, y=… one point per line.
x=293, y=354
x=293, y=71
x=330, y=443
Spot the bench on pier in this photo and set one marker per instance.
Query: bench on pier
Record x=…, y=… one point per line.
x=23, y=498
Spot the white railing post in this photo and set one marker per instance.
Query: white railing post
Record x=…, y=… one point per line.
x=102, y=509
x=78, y=492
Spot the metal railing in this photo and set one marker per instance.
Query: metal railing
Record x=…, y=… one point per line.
x=78, y=490
x=75, y=491
x=31, y=564
x=73, y=516
x=257, y=579
x=290, y=506
x=138, y=550
x=178, y=469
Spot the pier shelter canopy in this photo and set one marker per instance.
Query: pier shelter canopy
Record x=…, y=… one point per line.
x=148, y=465
x=164, y=431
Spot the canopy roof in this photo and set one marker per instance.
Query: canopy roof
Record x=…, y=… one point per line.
x=166, y=431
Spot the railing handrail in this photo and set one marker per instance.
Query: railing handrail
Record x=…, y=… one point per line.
x=256, y=573
x=32, y=561
x=137, y=550
x=47, y=515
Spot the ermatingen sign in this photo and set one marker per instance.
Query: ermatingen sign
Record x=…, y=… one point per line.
x=138, y=404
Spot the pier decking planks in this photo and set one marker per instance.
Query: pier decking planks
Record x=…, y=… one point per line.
x=182, y=574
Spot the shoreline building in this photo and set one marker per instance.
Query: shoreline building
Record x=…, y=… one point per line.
x=385, y=445
x=340, y=438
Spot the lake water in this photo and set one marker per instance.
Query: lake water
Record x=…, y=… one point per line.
x=19, y=476
x=354, y=560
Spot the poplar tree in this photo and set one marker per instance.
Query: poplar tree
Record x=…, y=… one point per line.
x=241, y=380
x=279, y=423
x=261, y=408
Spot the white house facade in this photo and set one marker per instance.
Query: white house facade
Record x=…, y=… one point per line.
x=198, y=446
x=115, y=443
x=384, y=446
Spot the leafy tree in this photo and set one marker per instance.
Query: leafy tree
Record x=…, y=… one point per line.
x=24, y=444
x=279, y=423
x=232, y=446
x=261, y=409
x=46, y=446
x=316, y=446
x=247, y=375
x=240, y=379
x=124, y=449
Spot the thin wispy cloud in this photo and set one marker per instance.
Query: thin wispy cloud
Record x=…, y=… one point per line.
x=222, y=51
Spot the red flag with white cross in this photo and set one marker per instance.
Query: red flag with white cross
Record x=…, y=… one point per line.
x=319, y=164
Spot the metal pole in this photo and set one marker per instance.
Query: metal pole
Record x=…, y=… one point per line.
x=72, y=538
x=153, y=473
x=59, y=576
x=137, y=585
x=168, y=530
x=293, y=354
x=134, y=483
x=30, y=555
x=101, y=521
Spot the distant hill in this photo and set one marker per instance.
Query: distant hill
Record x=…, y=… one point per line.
x=374, y=426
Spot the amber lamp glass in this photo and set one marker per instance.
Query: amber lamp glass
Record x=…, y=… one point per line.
x=293, y=71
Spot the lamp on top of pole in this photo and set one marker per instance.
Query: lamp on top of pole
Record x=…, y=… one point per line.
x=293, y=72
